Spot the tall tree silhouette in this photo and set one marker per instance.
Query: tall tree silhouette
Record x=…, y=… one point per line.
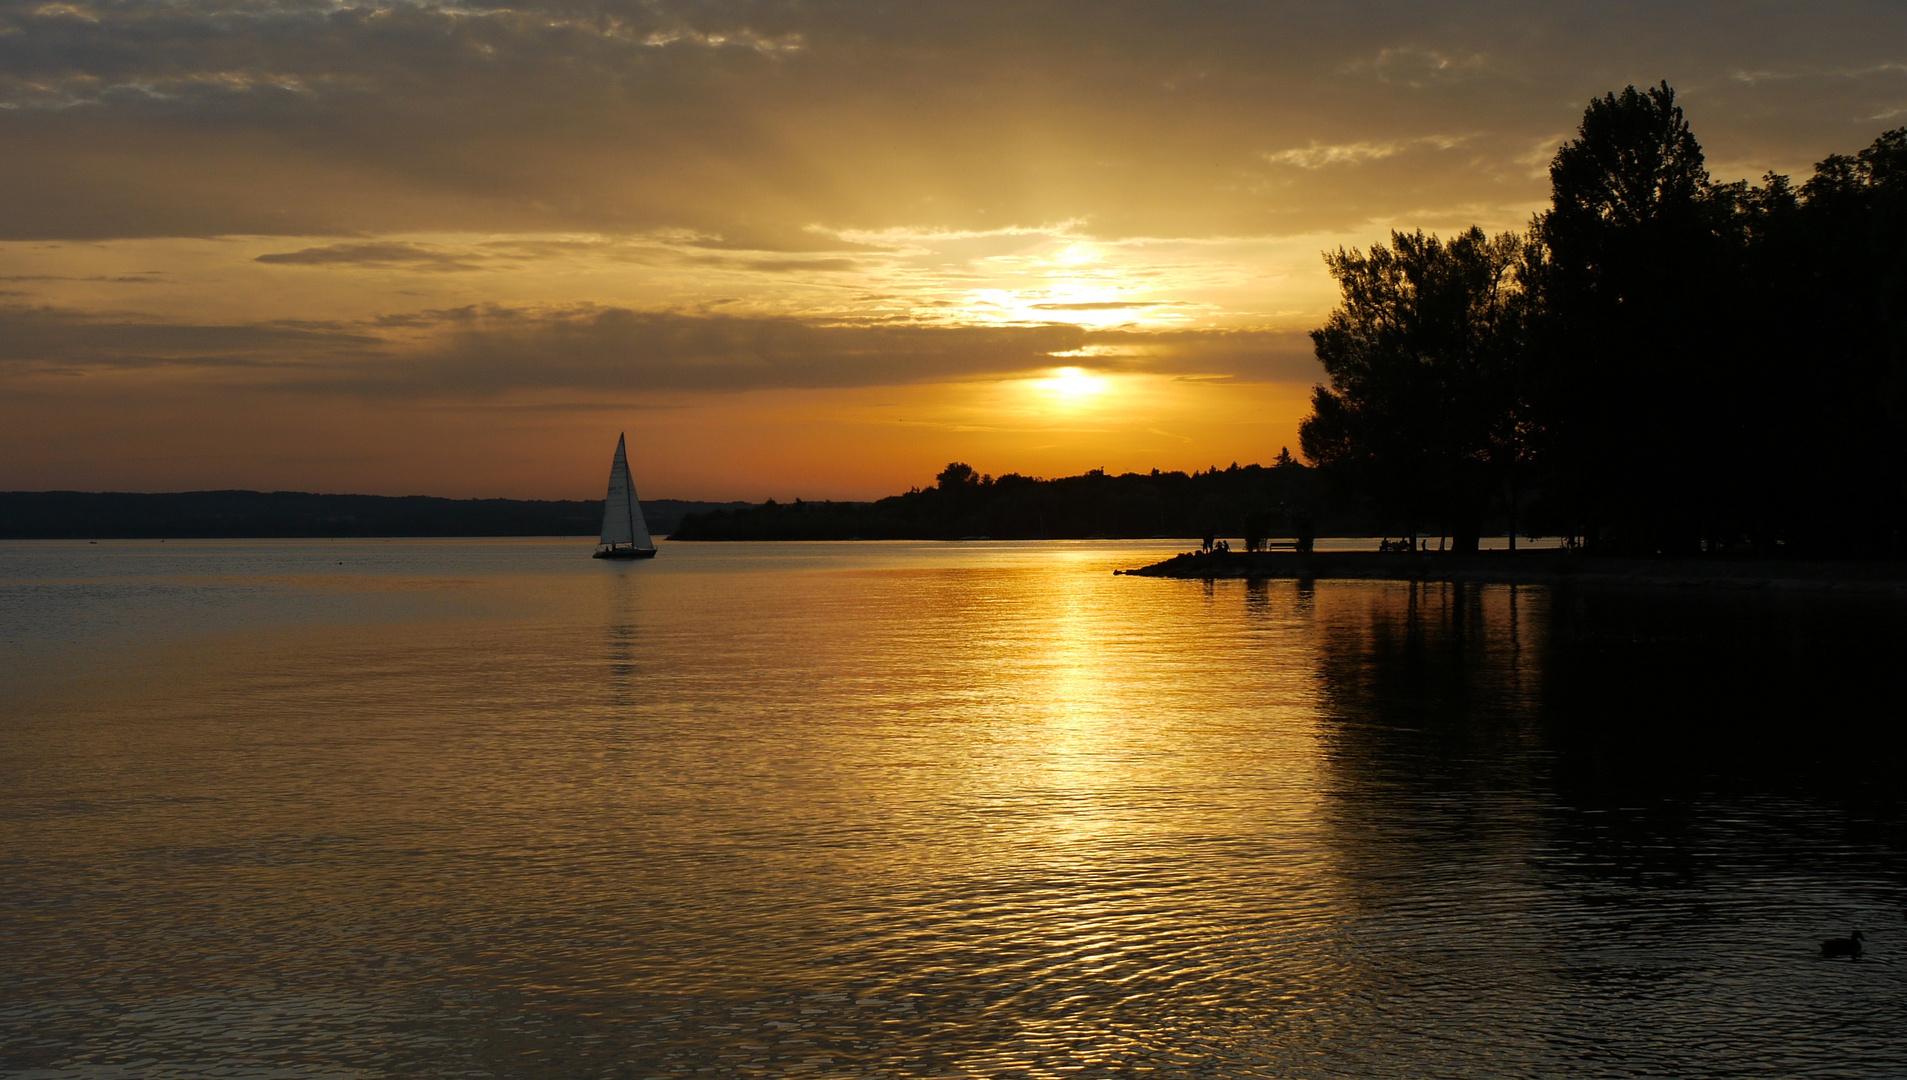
x=1833, y=270
x=1696, y=365
x=1421, y=410
x=1640, y=420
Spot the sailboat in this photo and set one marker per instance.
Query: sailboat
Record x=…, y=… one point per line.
x=625, y=534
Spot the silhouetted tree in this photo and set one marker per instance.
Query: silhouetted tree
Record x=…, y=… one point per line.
x=1257, y=530
x=956, y=475
x=1640, y=416
x=1652, y=342
x=1833, y=271
x=1422, y=409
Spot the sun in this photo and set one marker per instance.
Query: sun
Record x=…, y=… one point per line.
x=1072, y=385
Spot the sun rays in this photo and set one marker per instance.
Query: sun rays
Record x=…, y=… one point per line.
x=1072, y=386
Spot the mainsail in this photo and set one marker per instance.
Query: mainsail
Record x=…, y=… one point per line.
x=622, y=514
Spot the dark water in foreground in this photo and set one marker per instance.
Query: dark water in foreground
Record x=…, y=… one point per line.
x=478, y=808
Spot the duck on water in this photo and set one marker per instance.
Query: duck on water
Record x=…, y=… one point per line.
x=625, y=534
x=1849, y=946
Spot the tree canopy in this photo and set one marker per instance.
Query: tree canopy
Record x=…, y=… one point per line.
x=1422, y=406
x=1663, y=363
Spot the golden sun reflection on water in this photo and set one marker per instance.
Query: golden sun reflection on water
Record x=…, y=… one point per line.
x=859, y=810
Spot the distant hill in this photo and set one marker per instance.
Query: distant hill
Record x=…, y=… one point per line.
x=83, y=515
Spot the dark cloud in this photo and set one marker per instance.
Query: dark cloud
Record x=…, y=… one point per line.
x=749, y=122
x=490, y=350
x=374, y=253
x=1265, y=356
x=42, y=338
x=784, y=266
x=1108, y=305
x=149, y=277
x=493, y=349
x=786, y=241
x=501, y=254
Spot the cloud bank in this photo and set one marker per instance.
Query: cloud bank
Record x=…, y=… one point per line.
x=212, y=117
x=490, y=351
x=260, y=210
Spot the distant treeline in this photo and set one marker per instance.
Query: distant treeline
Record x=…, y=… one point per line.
x=79, y=515
x=1660, y=364
x=1272, y=501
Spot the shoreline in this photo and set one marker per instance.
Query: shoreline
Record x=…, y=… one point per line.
x=1541, y=567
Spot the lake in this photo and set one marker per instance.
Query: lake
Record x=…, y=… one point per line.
x=482, y=808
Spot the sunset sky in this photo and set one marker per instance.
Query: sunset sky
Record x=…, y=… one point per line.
x=793, y=249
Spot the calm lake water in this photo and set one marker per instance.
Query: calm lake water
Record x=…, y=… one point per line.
x=495, y=809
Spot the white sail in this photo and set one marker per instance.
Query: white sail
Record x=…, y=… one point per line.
x=622, y=513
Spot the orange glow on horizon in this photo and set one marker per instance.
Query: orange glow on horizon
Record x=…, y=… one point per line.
x=793, y=249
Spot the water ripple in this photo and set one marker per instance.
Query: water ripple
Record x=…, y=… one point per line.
x=489, y=809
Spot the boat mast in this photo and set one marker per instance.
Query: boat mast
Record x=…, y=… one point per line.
x=629, y=486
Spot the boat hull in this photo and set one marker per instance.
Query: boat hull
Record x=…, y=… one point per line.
x=626, y=553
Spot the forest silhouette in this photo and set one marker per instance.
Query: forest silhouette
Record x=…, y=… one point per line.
x=1660, y=364
x=1260, y=501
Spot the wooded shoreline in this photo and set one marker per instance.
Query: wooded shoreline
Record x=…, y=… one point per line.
x=265, y=515
x=1546, y=567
